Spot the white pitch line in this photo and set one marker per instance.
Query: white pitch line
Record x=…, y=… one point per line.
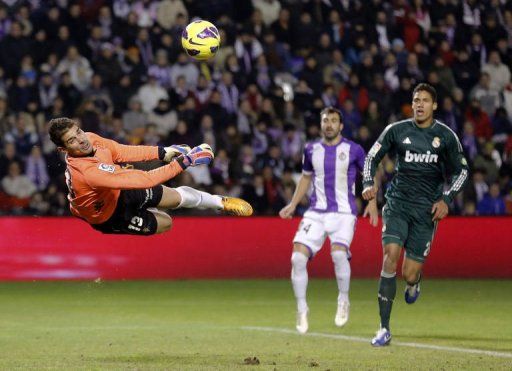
x=399, y=343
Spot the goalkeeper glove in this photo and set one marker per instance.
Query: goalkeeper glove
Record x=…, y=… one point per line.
x=174, y=151
x=199, y=155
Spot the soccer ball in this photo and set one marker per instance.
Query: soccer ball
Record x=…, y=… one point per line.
x=200, y=40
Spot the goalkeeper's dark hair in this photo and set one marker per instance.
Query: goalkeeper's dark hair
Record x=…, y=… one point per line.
x=428, y=88
x=58, y=127
x=330, y=109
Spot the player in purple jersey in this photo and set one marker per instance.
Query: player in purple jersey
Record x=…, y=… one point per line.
x=330, y=167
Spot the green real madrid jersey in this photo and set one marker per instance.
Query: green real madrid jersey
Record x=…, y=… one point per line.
x=425, y=157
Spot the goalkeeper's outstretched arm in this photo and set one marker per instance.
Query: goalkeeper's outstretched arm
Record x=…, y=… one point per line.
x=99, y=175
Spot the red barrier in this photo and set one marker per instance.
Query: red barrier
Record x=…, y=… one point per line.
x=223, y=247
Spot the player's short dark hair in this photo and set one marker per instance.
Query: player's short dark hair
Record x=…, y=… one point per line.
x=428, y=88
x=331, y=109
x=58, y=127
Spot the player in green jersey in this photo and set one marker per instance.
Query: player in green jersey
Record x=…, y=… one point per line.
x=427, y=151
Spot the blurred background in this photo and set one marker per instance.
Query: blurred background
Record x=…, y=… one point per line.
x=118, y=68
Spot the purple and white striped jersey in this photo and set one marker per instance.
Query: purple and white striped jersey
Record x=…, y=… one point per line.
x=334, y=170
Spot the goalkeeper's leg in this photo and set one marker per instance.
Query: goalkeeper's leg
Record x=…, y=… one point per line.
x=187, y=197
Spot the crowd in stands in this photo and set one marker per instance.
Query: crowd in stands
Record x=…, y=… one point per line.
x=118, y=67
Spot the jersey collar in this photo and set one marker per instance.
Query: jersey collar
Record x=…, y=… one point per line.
x=434, y=122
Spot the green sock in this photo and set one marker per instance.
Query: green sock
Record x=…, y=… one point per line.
x=387, y=292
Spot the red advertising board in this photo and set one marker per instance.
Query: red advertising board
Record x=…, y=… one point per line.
x=224, y=247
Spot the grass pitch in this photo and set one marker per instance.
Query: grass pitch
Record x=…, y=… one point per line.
x=191, y=325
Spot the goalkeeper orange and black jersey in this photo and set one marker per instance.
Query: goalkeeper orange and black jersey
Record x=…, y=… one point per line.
x=95, y=181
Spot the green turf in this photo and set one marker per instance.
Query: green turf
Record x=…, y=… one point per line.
x=199, y=325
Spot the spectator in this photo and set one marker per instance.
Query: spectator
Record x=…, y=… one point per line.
x=282, y=28
x=480, y=121
x=247, y=50
x=305, y=35
x=499, y=73
x=22, y=135
x=20, y=94
x=337, y=72
x=107, y=65
x=35, y=169
x=291, y=146
x=207, y=132
x=161, y=69
x=184, y=67
x=489, y=99
x=147, y=11
x=5, y=23
x=492, y=30
x=257, y=24
x=492, y=203
x=69, y=94
x=217, y=111
x=229, y=94
x=469, y=141
x=269, y=9
x=28, y=70
x=78, y=67
x=203, y=92
x=150, y=93
x=8, y=156
x=246, y=118
x=167, y=12
x=465, y=70
x=256, y=194
x=352, y=119
x=164, y=118
x=145, y=46
x=135, y=117
x=18, y=186
x=501, y=126
x=490, y=161
x=220, y=167
x=355, y=92
x=12, y=49
x=62, y=43
x=312, y=75
x=99, y=95
x=38, y=205
x=48, y=91
x=450, y=114
x=446, y=78
x=477, y=49
x=182, y=134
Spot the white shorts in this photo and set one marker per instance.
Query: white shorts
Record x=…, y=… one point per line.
x=315, y=227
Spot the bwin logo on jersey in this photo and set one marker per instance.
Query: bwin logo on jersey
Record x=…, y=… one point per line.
x=420, y=157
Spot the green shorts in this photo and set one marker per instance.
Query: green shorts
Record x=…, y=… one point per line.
x=409, y=226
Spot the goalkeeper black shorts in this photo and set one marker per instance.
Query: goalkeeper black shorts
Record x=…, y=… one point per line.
x=131, y=215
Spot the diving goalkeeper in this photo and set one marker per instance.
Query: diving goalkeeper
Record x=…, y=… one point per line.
x=113, y=199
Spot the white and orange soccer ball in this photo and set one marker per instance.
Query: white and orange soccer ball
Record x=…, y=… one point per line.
x=201, y=40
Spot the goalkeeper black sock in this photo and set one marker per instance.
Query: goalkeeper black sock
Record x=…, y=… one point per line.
x=387, y=292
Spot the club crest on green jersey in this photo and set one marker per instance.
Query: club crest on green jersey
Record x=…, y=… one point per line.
x=436, y=142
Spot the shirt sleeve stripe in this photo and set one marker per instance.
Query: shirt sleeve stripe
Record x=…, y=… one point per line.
x=458, y=182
